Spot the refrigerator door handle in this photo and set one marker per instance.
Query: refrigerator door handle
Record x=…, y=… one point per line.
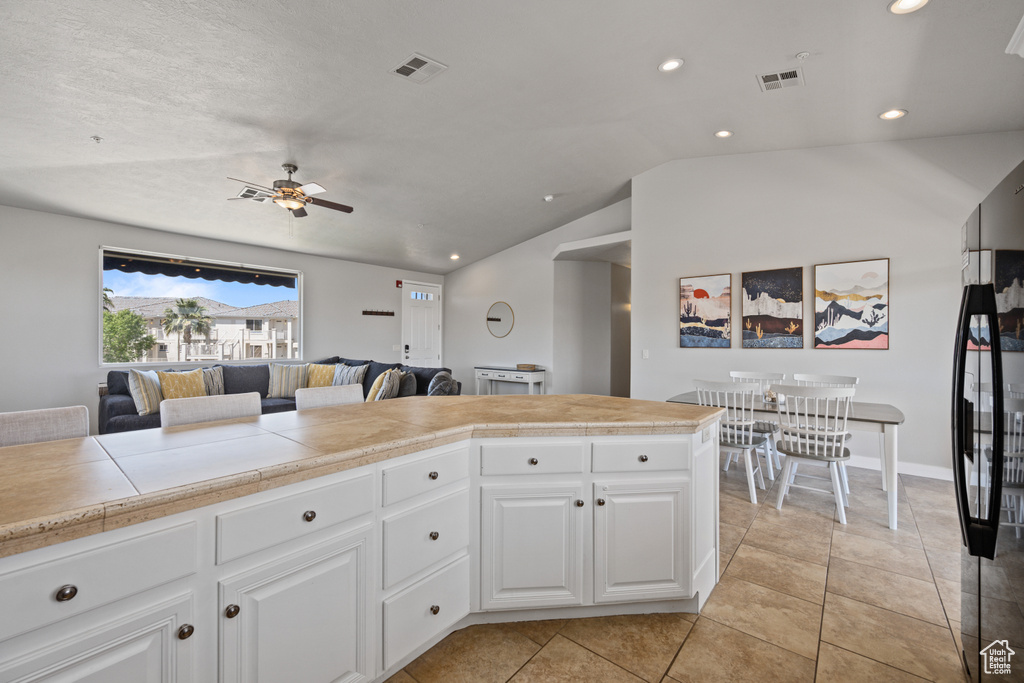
x=979, y=533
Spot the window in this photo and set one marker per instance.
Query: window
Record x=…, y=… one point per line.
x=421, y=296
x=166, y=309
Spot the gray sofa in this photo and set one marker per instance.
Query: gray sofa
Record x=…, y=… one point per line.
x=117, y=412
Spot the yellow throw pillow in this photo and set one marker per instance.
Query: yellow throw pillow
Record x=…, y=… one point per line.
x=182, y=384
x=320, y=375
x=376, y=386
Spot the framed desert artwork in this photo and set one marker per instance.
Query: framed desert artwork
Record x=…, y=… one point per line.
x=1008, y=278
x=851, y=305
x=705, y=310
x=773, y=306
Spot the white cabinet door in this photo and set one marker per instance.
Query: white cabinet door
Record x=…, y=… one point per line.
x=301, y=618
x=140, y=647
x=532, y=545
x=641, y=541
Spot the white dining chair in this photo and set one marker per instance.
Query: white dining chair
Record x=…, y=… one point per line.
x=812, y=425
x=183, y=411
x=1013, y=462
x=46, y=424
x=805, y=380
x=736, y=430
x=764, y=382
x=320, y=397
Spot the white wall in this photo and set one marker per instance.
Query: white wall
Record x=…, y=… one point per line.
x=581, y=330
x=522, y=276
x=49, y=274
x=729, y=214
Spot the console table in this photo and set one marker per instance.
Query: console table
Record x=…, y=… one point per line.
x=492, y=374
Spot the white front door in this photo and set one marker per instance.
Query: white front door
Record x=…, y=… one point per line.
x=421, y=325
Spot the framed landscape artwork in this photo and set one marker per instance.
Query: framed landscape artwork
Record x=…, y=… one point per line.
x=979, y=271
x=773, y=306
x=705, y=310
x=1008, y=279
x=851, y=305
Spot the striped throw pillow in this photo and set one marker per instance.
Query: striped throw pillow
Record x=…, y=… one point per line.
x=349, y=374
x=386, y=385
x=319, y=375
x=144, y=386
x=285, y=379
x=182, y=384
x=213, y=378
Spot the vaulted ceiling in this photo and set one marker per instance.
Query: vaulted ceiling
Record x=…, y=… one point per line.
x=540, y=97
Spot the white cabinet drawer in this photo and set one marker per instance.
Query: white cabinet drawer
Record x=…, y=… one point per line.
x=413, y=478
x=418, y=538
x=520, y=377
x=537, y=458
x=641, y=456
x=98, y=576
x=258, y=527
x=425, y=609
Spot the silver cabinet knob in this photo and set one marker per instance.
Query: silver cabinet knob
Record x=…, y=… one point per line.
x=600, y=501
x=579, y=503
x=434, y=535
x=186, y=631
x=232, y=611
x=533, y=461
x=432, y=475
x=309, y=516
x=66, y=592
x=434, y=609
x=642, y=458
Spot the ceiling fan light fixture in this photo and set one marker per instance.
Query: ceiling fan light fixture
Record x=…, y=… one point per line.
x=290, y=203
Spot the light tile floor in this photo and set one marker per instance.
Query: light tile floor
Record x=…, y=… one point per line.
x=801, y=598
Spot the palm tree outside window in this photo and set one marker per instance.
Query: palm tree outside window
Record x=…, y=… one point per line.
x=185, y=319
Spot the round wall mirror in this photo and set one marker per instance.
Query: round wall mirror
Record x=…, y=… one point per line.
x=500, y=319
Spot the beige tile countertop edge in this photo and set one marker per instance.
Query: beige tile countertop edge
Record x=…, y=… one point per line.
x=65, y=525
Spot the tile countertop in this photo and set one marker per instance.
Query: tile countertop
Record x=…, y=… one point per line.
x=60, y=490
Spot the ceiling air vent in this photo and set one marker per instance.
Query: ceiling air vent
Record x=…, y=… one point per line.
x=782, y=79
x=254, y=194
x=418, y=68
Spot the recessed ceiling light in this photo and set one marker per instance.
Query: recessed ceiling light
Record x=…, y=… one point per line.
x=454, y=257
x=670, y=64
x=723, y=134
x=906, y=6
x=549, y=197
x=893, y=114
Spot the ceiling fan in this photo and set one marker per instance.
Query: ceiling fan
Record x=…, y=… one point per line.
x=289, y=194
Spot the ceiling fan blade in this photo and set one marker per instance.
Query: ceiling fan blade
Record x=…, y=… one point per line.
x=258, y=187
x=311, y=188
x=299, y=213
x=329, y=205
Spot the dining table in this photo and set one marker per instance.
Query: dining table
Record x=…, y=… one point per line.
x=883, y=419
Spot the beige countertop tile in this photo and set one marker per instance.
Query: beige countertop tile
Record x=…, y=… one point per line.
x=66, y=489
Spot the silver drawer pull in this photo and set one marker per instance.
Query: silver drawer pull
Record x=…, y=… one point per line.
x=642, y=458
x=600, y=501
x=432, y=475
x=579, y=503
x=232, y=611
x=434, y=535
x=309, y=516
x=66, y=592
x=533, y=461
x=434, y=609
x=186, y=631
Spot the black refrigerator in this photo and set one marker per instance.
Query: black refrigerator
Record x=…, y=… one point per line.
x=987, y=376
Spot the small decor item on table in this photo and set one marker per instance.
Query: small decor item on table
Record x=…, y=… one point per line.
x=770, y=396
x=773, y=309
x=705, y=311
x=526, y=367
x=851, y=305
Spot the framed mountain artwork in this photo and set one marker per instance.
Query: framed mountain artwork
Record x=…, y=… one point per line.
x=705, y=311
x=851, y=305
x=773, y=307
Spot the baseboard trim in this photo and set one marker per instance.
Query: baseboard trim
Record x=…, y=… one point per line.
x=912, y=468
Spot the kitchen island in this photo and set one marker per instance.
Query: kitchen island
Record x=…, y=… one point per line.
x=342, y=542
